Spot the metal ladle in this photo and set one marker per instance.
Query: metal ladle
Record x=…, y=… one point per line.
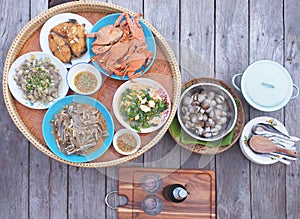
x=267, y=129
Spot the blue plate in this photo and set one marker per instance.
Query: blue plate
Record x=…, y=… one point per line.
x=110, y=19
x=55, y=108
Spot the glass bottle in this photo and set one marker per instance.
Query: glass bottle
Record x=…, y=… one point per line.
x=175, y=193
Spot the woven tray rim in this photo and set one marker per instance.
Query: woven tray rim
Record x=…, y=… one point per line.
x=92, y=6
x=203, y=149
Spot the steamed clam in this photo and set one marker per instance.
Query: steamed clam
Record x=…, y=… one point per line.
x=207, y=113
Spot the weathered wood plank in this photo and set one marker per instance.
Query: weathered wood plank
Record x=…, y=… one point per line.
x=112, y=172
x=266, y=42
x=292, y=111
x=196, y=39
x=86, y=193
x=14, y=147
x=233, y=182
x=135, y=6
x=48, y=186
x=48, y=191
x=53, y=3
x=196, y=58
x=164, y=16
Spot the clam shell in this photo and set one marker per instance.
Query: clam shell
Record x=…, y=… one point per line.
x=220, y=98
x=205, y=104
x=187, y=100
x=211, y=95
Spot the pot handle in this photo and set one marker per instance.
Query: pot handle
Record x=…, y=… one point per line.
x=297, y=91
x=233, y=81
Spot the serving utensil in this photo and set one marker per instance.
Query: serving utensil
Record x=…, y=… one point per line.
x=282, y=160
x=267, y=129
x=284, y=156
x=262, y=144
x=272, y=155
x=280, y=141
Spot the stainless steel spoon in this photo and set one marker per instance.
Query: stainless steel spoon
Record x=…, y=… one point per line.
x=267, y=129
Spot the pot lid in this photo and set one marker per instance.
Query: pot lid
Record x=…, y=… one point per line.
x=267, y=85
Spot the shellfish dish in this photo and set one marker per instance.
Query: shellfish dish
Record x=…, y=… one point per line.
x=207, y=112
x=79, y=129
x=39, y=79
x=121, y=48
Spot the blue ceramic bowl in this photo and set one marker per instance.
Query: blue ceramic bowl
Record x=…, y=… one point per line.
x=110, y=19
x=56, y=108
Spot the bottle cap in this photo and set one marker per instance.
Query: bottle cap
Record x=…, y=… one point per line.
x=179, y=193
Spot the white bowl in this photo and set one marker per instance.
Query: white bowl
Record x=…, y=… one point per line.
x=75, y=69
x=133, y=133
x=254, y=157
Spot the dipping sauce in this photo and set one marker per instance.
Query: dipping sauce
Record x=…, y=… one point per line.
x=126, y=142
x=85, y=81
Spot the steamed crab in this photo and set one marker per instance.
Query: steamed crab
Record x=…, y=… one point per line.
x=121, y=48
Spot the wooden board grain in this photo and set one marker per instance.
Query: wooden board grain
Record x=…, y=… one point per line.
x=86, y=190
x=266, y=42
x=165, y=153
x=196, y=58
x=49, y=200
x=23, y=168
x=231, y=58
x=135, y=6
x=292, y=111
x=14, y=155
x=200, y=184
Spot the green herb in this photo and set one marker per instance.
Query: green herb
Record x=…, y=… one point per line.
x=139, y=108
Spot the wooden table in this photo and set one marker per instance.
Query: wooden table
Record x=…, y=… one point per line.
x=228, y=35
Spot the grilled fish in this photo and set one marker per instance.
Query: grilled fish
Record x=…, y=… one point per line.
x=76, y=38
x=74, y=33
x=60, y=47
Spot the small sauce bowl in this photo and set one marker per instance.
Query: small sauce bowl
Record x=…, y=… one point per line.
x=126, y=141
x=84, y=79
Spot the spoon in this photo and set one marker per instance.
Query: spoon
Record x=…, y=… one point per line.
x=267, y=129
x=272, y=155
x=264, y=145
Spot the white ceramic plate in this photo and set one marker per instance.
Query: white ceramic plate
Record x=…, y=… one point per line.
x=57, y=19
x=18, y=93
x=258, y=158
x=137, y=84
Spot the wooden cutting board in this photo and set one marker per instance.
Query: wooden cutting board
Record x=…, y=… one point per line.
x=200, y=185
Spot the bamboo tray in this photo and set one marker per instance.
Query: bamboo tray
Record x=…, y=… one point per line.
x=29, y=121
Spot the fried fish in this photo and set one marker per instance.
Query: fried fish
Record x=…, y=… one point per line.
x=60, y=47
x=63, y=28
x=74, y=33
x=77, y=39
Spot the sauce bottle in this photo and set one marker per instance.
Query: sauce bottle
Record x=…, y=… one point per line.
x=175, y=193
